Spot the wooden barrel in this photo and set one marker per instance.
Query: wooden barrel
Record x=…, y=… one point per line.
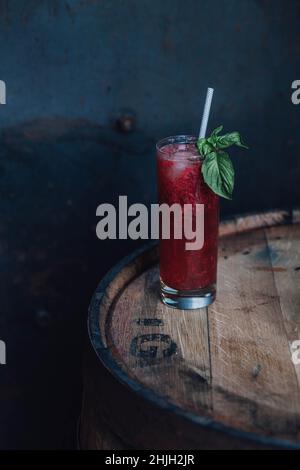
x=221, y=377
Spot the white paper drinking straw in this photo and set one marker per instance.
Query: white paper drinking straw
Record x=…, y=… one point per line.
x=206, y=111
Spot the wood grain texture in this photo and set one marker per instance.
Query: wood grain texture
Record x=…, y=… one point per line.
x=284, y=252
x=211, y=378
x=154, y=343
x=253, y=376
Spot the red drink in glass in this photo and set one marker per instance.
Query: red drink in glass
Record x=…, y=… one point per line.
x=188, y=277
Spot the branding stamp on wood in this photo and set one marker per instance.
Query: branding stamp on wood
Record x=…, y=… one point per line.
x=149, y=321
x=152, y=348
x=158, y=346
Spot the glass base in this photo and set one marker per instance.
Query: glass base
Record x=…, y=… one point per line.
x=187, y=299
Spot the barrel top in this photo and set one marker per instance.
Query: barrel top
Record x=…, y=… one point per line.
x=232, y=366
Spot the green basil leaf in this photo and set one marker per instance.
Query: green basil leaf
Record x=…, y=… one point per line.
x=226, y=140
x=217, y=168
x=217, y=130
x=218, y=173
x=204, y=147
x=213, y=138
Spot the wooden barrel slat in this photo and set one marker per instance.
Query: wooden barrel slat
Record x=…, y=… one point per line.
x=251, y=361
x=210, y=378
x=284, y=251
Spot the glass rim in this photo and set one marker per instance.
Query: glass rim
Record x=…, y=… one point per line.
x=176, y=139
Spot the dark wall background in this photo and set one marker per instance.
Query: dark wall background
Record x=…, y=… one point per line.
x=73, y=69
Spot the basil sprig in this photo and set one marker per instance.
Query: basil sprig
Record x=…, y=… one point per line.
x=217, y=168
